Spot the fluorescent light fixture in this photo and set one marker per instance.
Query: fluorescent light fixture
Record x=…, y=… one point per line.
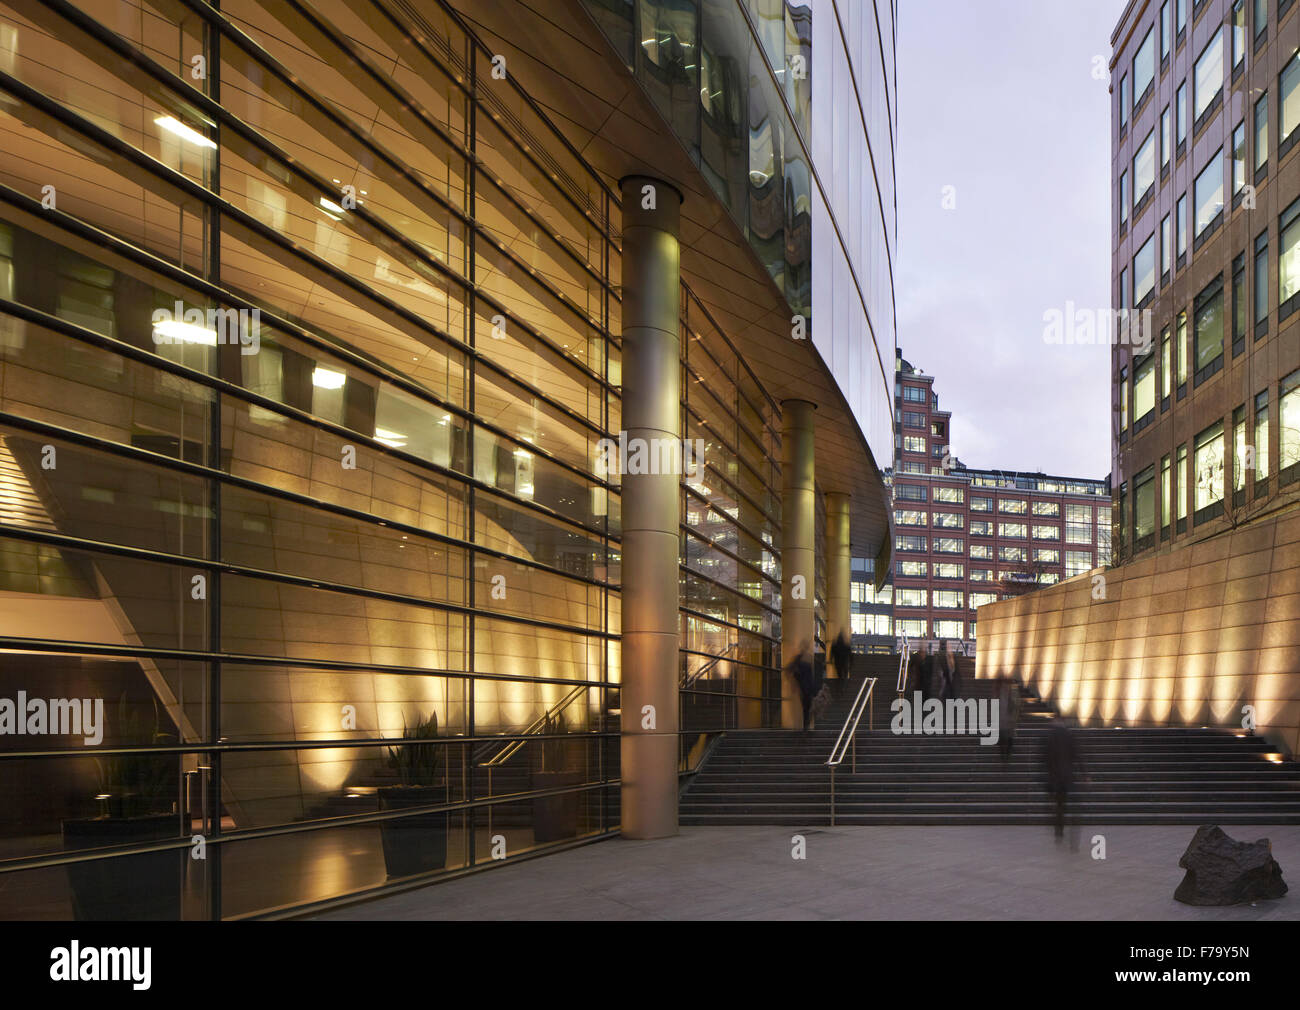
x=327, y=378
x=332, y=209
x=173, y=125
x=188, y=333
x=392, y=439
x=523, y=454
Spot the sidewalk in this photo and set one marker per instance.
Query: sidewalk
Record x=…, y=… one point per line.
x=849, y=873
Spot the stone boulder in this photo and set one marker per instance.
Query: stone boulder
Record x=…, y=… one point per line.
x=1224, y=871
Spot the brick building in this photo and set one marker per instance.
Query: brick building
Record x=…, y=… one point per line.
x=964, y=537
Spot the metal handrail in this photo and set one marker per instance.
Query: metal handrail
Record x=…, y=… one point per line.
x=511, y=748
x=690, y=678
x=848, y=738
x=902, y=666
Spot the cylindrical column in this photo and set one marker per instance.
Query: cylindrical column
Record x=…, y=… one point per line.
x=651, y=510
x=838, y=565
x=798, y=549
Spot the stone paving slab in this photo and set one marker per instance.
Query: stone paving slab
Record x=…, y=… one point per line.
x=968, y=873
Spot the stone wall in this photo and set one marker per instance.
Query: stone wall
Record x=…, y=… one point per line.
x=1185, y=637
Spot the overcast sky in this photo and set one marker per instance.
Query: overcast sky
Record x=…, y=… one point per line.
x=997, y=99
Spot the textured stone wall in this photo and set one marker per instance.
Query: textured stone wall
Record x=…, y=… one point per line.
x=1187, y=637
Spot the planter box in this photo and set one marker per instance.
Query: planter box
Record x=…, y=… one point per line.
x=145, y=887
x=556, y=817
x=416, y=844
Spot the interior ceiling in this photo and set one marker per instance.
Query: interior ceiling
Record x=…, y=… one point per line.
x=558, y=55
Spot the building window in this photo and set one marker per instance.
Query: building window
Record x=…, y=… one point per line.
x=914, y=394
x=1078, y=524
x=1047, y=532
x=948, y=629
x=953, y=495
x=948, y=570
x=1123, y=201
x=914, y=443
x=981, y=575
x=1238, y=453
x=1014, y=506
x=908, y=543
x=1261, y=132
x=1180, y=488
x=1261, y=284
x=1047, y=508
x=1047, y=556
x=1239, y=158
x=1144, y=508
x=1180, y=226
x=1288, y=258
x=948, y=599
x=1288, y=427
x=1013, y=531
x=1123, y=401
x=1181, y=340
x=981, y=552
x=905, y=597
x=1077, y=562
x=1289, y=90
x=1208, y=326
x=1123, y=290
x=909, y=517
x=978, y=504
x=1261, y=19
x=1261, y=436
x=1180, y=113
x=1019, y=554
x=1238, y=304
x=913, y=569
x=910, y=628
x=1144, y=271
x=1208, y=193
x=1123, y=103
x=1166, y=494
x=1238, y=36
x=981, y=528
x=859, y=623
x=909, y=492
x=1166, y=249
x=1144, y=67
x=949, y=521
x=1209, y=470
x=1144, y=168
x=949, y=545
x=1166, y=366
x=979, y=599
x=1144, y=389
x=1207, y=81
x=911, y=419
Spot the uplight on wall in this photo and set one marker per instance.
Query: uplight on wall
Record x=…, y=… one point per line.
x=327, y=378
x=173, y=330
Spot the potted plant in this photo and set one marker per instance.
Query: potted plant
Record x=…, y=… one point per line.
x=138, y=796
x=418, y=843
x=556, y=817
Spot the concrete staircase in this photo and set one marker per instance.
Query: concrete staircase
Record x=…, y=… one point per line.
x=1136, y=776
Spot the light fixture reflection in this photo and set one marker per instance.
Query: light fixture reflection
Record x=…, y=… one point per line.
x=187, y=133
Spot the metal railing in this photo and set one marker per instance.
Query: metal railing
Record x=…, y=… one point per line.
x=690, y=678
x=902, y=666
x=510, y=748
x=847, y=741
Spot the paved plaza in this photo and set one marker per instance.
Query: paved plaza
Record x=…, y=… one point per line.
x=848, y=873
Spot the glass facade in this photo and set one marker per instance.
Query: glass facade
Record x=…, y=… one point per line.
x=309, y=340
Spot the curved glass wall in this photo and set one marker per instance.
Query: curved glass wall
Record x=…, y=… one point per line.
x=307, y=344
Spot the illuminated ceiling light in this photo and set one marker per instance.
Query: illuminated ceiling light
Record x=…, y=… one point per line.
x=327, y=378
x=188, y=333
x=332, y=209
x=392, y=439
x=523, y=454
x=173, y=125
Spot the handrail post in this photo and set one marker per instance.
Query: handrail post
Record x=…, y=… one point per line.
x=832, y=796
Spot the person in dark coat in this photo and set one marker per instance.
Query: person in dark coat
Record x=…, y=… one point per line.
x=803, y=673
x=1063, y=764
x=952, y=658
x=1008, y=715
x=921, y=673
x=842, y=658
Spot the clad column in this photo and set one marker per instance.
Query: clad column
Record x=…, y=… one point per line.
x=798, y=548
x=838, y=577
x=651, y=507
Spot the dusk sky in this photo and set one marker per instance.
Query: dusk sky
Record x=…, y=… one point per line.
x=997, y=99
